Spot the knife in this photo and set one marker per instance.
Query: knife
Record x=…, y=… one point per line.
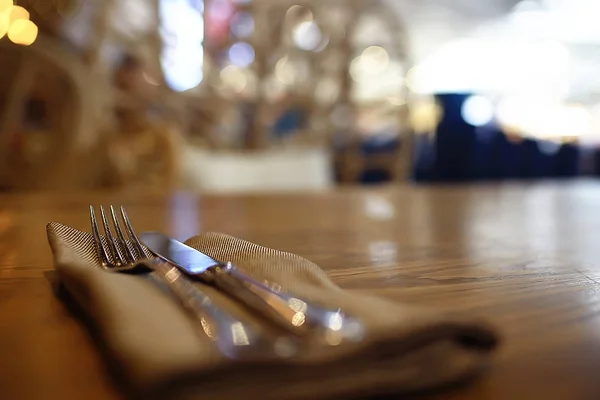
x=295, y=315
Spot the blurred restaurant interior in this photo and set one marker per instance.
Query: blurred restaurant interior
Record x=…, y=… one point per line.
x=257, y=95
x=389, y=176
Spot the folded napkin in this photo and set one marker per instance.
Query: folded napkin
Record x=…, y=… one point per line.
x=160, y=354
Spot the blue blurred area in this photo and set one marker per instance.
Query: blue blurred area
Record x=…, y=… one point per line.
x=377, y=146
x=458, y=151
x=461, y=152
x=289, y=122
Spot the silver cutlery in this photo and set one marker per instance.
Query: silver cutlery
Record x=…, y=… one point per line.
x=235, y=339
x=296, y=315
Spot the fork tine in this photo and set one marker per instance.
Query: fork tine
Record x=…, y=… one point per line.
x=132, y=236
x=102, y=255
x=115, y=252
x=128, y=253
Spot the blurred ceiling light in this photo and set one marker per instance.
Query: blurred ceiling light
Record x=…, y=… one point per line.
x=307, y=35
x=241, y=54
x=554, y=51
x=459, y=66
x=571, y=21
x=510, y=112
x=183, y=56
x=477, y=111
x=23, y=32
x=530, y=116
x=284, y=71
x=543, y=119
x=243, y=25
x=18, y=12
x=577, y=121
x=503, y=65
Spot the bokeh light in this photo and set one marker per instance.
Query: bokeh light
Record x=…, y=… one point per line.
x=241, y=54
x=18, y=12
x=307, y=36
x=477, y=111
x=284, y=71
x=425, y=115
x=373, y=61
x=23, y=32
x=15, y=23
x=5, y=5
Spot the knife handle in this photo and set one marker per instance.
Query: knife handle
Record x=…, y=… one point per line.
x=293, y=314
x=235, y=339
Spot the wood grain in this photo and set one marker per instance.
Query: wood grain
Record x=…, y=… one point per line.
x=524, y=257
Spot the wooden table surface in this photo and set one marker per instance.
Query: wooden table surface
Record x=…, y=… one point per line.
x=523, y=256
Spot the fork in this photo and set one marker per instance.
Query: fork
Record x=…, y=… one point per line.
x=234, y=338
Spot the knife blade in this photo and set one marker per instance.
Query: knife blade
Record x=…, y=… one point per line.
x=286, y=310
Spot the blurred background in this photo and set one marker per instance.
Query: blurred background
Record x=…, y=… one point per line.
x=259, y=95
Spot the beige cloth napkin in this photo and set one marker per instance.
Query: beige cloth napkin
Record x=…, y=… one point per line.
x=161, y=355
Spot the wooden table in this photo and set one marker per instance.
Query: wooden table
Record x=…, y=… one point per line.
x=523, y=256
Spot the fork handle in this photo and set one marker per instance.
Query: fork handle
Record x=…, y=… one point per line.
x=293, y=314
x=217, y=324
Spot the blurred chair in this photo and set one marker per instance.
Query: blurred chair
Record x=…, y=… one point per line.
x=377, y=160
x=50, y=109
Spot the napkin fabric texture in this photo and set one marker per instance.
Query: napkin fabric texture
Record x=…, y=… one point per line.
x=160, y=353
